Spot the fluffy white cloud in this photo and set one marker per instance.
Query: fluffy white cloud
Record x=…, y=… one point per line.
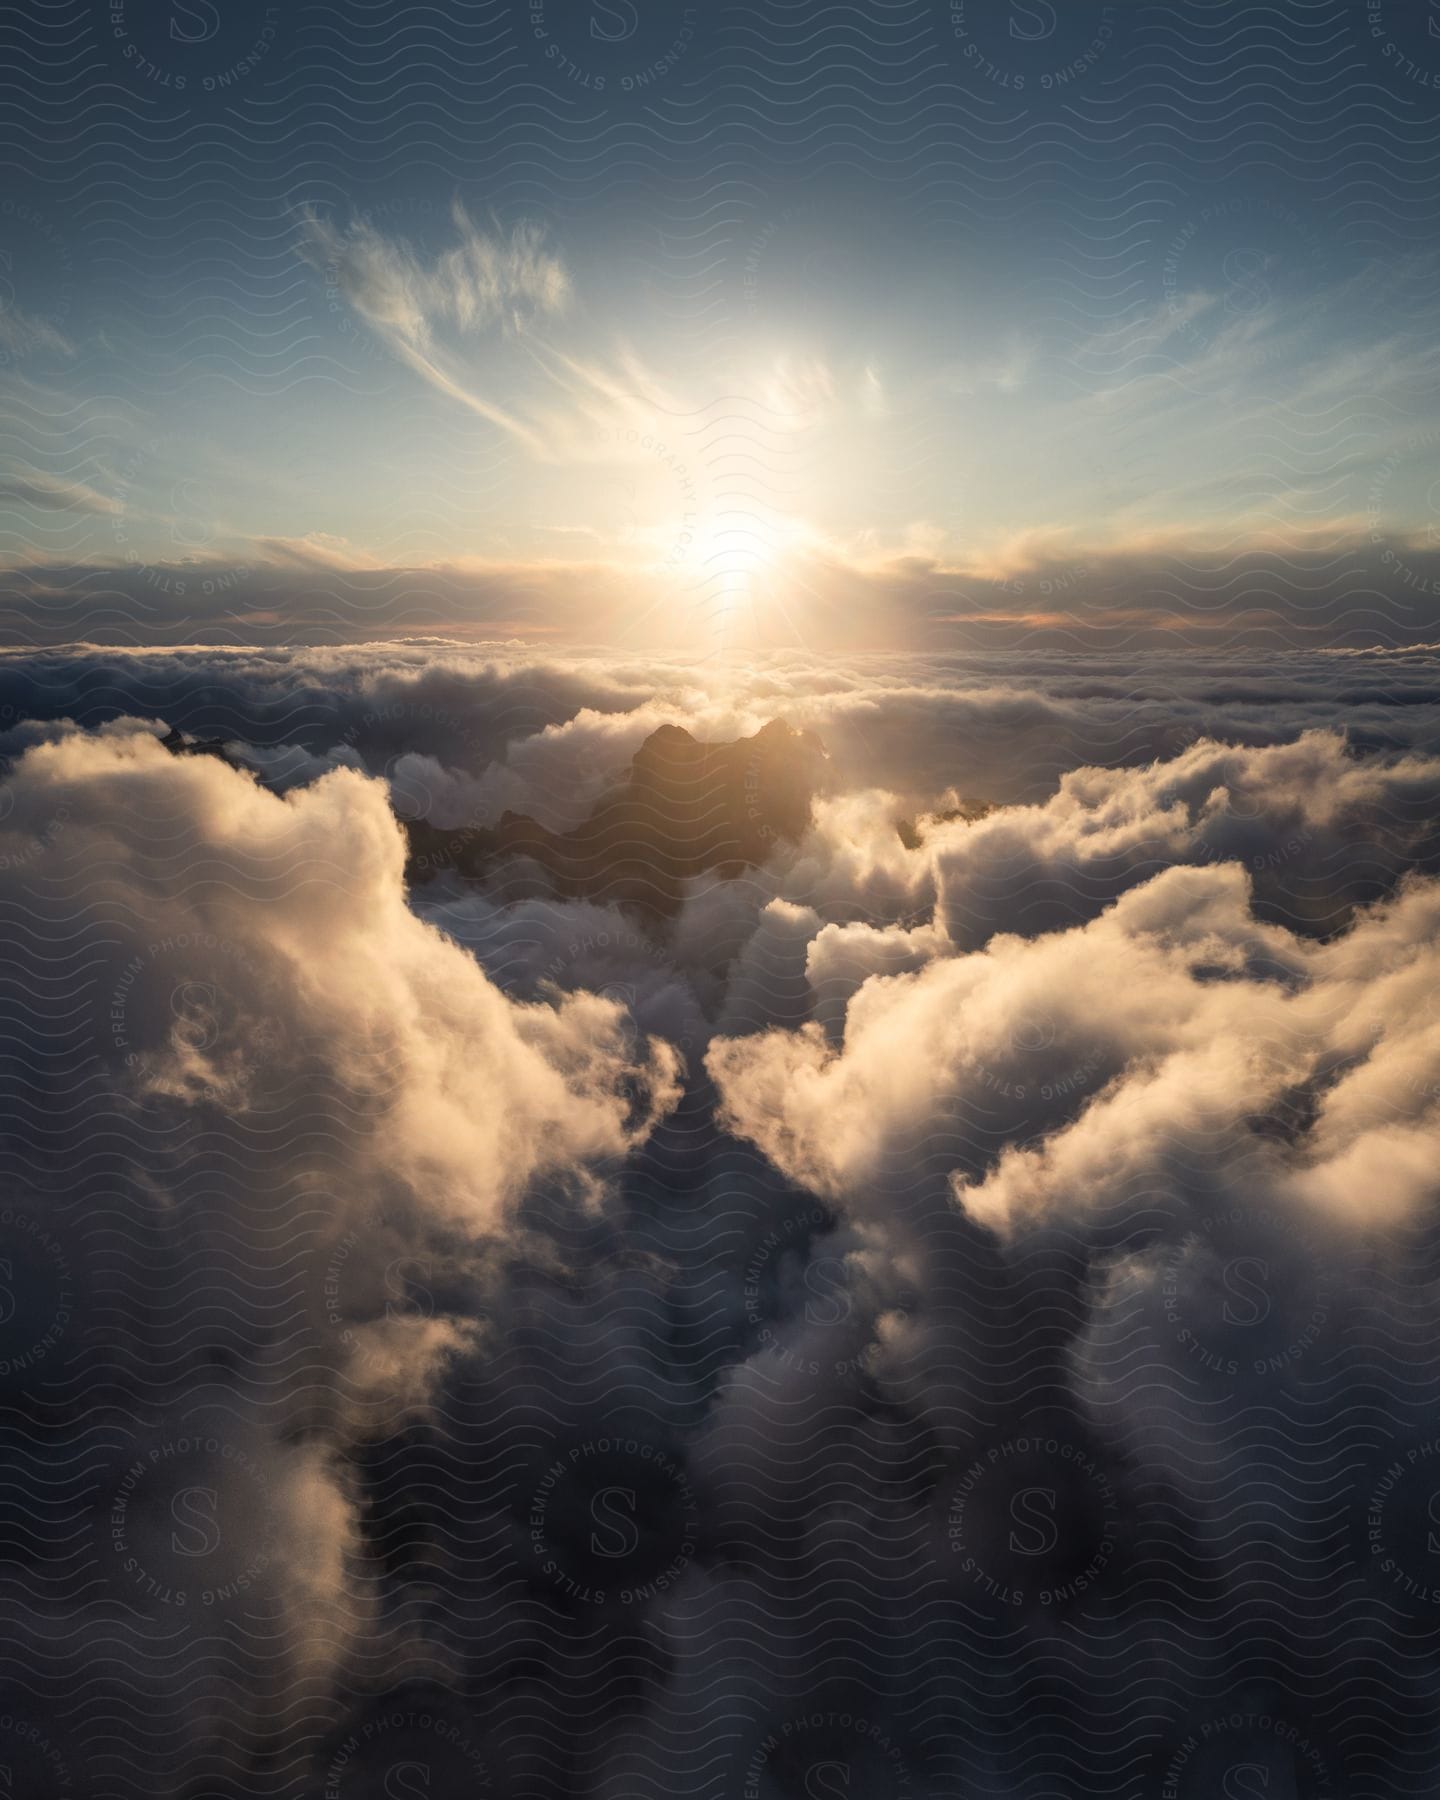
x=1179, y=1012
x=271, y=1120
x=284, y=923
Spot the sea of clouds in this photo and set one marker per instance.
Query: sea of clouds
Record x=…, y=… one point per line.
x=952, y=1311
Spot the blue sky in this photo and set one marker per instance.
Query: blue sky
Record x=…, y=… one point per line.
x=799, y=313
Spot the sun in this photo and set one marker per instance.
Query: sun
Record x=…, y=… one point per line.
x=733, y=546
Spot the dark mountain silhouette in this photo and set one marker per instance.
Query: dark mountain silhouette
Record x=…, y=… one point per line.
x=913, y=832
x=687, y=808
x=178, y=744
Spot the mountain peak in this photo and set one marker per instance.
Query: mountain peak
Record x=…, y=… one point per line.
x=689, y=807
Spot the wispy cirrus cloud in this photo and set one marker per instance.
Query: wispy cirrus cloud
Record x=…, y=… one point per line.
x=52, y=493
x=22, y=334
x=316, y=550
x=483, y=283
x=561, y=400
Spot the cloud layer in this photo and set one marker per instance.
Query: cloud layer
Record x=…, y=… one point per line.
x=953, y=1305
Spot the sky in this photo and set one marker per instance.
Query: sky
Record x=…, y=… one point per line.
x=858, y=327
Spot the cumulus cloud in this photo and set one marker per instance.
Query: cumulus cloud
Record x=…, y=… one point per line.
x=1175, y=1162
x=1317, y=828
x=267, y=1106
x=473, y=1095
x=994, y=1233
x=1181, y=994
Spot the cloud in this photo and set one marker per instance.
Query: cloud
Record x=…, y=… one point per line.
x=1055, y=1144
x=1024, y=1024
x=1172, y=1163
x=1043, y=592
x=1317, y=828
x=22, y=334
x=53, y=494
x=535, y=725
x=482, y=283
x=316, y=550
x=274, y=1123
x=467, y=1098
